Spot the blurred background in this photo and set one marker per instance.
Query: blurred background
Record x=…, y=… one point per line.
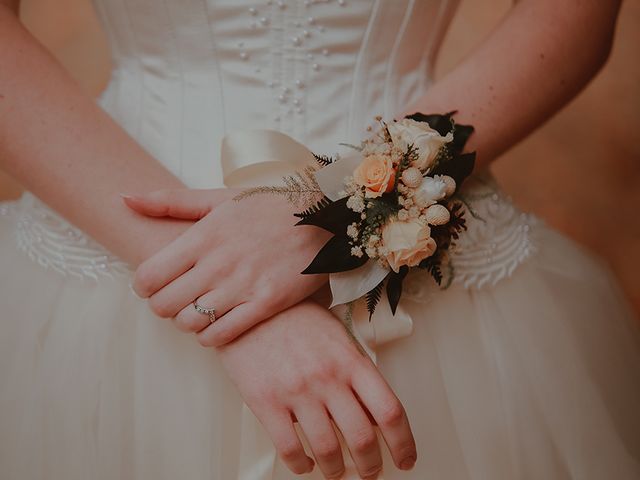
x=580, y=172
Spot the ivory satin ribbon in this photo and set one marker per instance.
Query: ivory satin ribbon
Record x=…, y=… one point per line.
x=252, y=158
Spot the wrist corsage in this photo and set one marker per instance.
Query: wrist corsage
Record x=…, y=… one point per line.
x=392, y=207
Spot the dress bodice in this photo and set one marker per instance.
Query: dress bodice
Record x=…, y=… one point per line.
x=186, y=73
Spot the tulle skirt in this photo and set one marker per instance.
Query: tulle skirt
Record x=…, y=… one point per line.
x=537, y=377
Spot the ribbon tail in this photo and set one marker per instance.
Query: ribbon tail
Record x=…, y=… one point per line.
x=383, y=327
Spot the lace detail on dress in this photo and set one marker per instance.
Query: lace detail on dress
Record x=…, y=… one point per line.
x=54, y=243
x=497, y=239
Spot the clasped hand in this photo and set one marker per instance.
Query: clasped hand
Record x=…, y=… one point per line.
x=242, y=258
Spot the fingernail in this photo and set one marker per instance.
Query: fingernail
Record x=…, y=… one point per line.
x=134, y=292
x=126, y=196
x=407, y=463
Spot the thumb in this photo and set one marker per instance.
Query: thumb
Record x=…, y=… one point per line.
x=183, y=203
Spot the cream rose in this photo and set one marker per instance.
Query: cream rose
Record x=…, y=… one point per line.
x=407, y=243
x=376, y=174
x=419, y=134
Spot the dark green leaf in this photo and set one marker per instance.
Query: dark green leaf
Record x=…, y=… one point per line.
x=457, y=223
x=432, y=265
x=334, y=217
x=443, y=124
x=394, y=287
x=334, y=257
x=383, y=207
x=461, y=134
x=460, y=167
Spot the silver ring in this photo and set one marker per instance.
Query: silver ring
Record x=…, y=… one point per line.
x=211, y=312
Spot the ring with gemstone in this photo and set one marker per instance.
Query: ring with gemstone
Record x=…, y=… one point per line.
x=211, y=312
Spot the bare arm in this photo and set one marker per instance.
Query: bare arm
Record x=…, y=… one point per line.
x=541, y=55
x=59, y=144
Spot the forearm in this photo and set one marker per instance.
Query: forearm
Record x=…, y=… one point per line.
x=60, y=145
x=540, y=56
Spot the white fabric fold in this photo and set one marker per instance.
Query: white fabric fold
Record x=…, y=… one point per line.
x=331, y=178
x=353, y=284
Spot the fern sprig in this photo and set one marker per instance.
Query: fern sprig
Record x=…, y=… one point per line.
x=373, y=298
x=301, y=189
x=324, y=160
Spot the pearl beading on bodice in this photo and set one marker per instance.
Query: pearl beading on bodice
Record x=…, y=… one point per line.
x=188, y=73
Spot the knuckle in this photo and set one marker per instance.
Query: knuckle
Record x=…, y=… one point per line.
x=290, y=451
x=327, y=450
x=392, y=414
x=325, y=372
x=297, y=385
x=365, y=442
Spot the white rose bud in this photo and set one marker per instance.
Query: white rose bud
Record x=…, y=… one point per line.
x=430, y=191
x=449, y=182
x=419, y=134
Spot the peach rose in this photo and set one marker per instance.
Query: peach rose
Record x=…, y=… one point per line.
x=407, y=243
x=376, y=174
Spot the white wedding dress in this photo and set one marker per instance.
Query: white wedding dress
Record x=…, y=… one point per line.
x=527, y=367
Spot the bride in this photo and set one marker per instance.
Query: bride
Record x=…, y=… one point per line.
x=528, y=366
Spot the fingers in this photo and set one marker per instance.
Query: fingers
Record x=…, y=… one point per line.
x=190, y=320
x=357, y=431
x=180, y=293
x=389, y=414
x=186, y=203
x=232, y=324
x=322, y=438
x=168, y=264
x=280, y=428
